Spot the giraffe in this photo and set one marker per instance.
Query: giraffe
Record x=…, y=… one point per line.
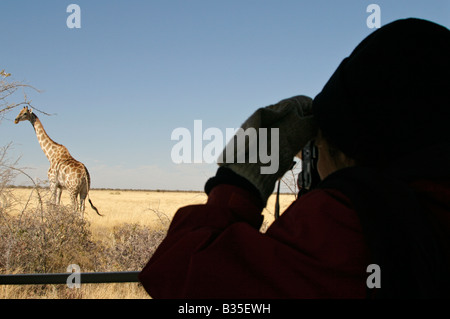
x=65, y=172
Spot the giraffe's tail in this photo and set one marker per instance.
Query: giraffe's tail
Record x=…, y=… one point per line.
x=88, y=182
x=93, y=207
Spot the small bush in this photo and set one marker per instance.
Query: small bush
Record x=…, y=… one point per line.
x=49, y=240
x=131, y=246
x=46, y=241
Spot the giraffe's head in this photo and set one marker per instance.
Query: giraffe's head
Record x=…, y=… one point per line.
x=24, y=115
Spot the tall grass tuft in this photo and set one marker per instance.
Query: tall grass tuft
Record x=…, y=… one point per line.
x=46, y=238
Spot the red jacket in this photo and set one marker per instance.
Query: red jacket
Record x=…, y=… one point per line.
x=314, y=250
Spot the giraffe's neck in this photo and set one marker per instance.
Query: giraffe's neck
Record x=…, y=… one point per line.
x=50, y=147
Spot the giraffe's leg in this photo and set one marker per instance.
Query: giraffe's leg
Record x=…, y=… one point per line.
x=83, y=195
x=58, y=195
x=54, y=193
x=84, y=189
x=74, y=199
x=82, y=202
x=53, y=180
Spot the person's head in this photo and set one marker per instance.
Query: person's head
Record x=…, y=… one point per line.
x=330, y=158
x=389, y=98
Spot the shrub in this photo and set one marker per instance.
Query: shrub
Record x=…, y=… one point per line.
x=46, y=241
x=131, y=246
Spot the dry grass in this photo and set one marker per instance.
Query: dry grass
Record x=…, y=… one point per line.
x=86, y=291
x=133, y=224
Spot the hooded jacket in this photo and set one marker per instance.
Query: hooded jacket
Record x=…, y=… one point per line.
x=387, y=107
x=316, y=249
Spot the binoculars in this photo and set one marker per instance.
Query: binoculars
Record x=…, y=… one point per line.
x=309, y=177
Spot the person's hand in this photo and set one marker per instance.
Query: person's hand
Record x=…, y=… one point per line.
x=275, y=134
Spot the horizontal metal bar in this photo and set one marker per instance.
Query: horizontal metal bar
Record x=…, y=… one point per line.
x=61, y=278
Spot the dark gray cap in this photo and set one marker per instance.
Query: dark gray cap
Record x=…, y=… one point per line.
x=391, y=96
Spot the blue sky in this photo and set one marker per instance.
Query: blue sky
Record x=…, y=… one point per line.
x=137, y=70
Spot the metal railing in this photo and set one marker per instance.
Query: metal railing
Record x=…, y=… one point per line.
x=63, y=278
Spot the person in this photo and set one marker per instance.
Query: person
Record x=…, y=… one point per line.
x=381, y=126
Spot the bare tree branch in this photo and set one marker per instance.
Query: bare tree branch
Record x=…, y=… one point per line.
x=8, y=89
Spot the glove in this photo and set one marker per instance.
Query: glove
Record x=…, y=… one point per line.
x=280, y=130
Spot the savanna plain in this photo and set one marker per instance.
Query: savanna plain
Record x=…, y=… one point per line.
x=37, y=237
